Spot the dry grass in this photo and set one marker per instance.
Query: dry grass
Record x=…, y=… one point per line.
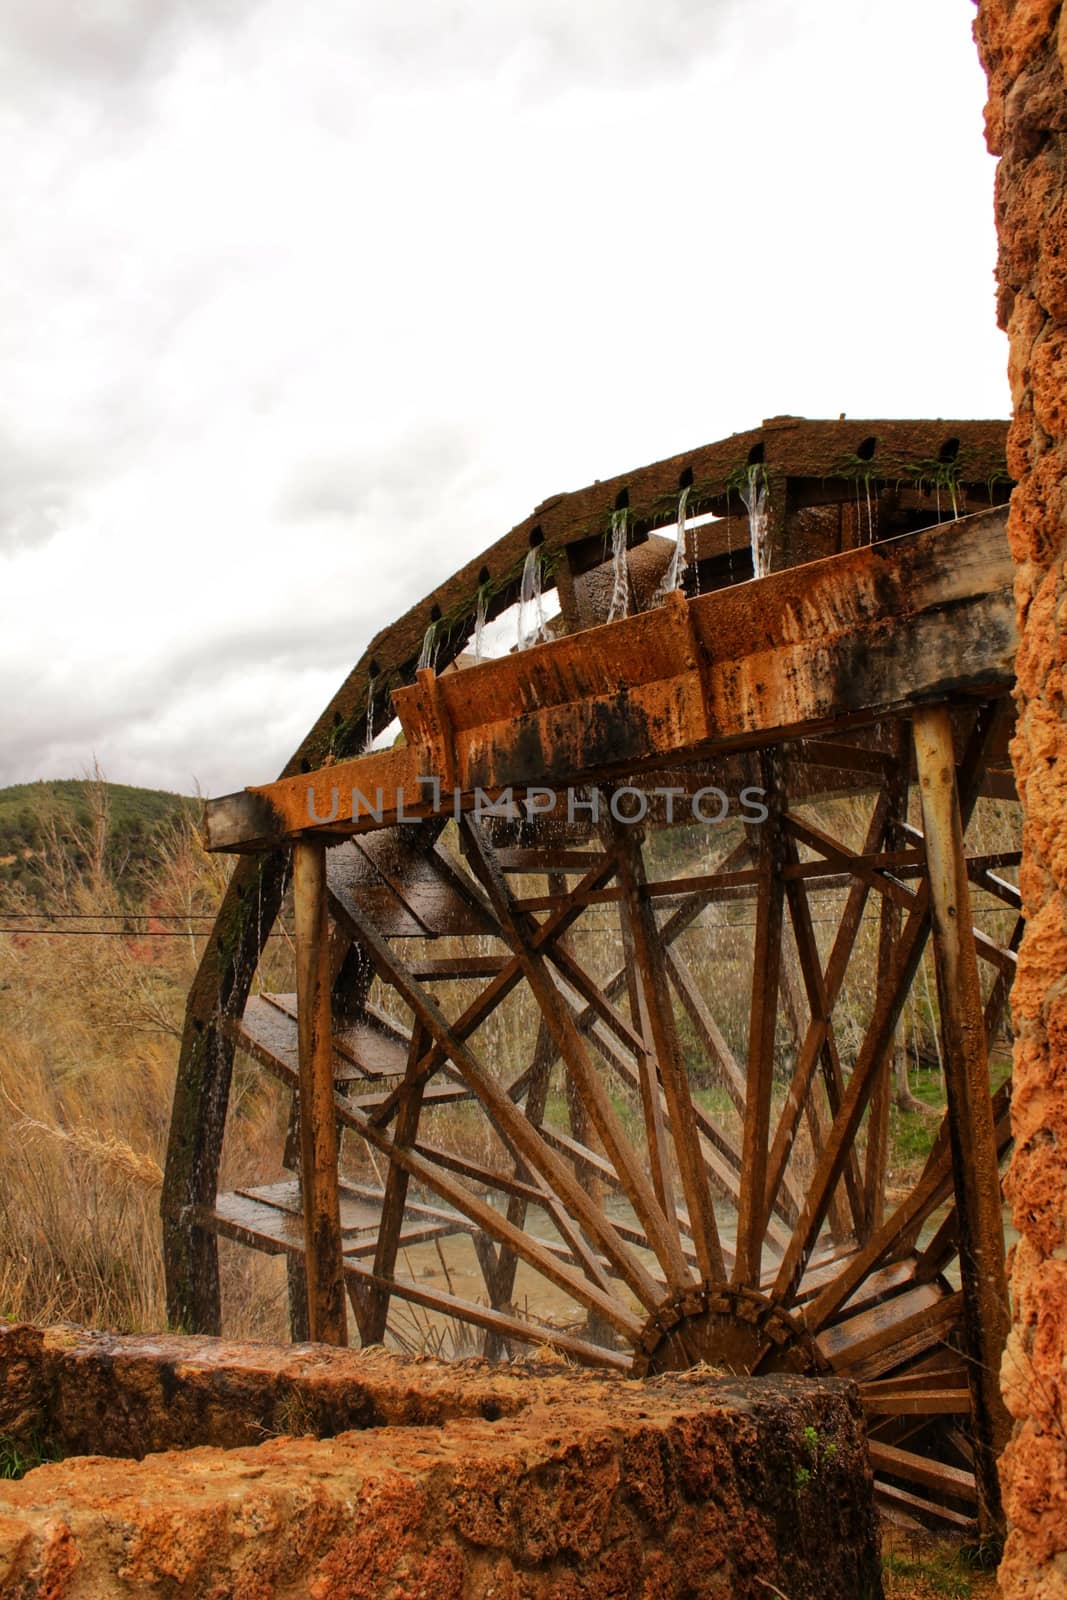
x=918, y=1566
x=89, y=1033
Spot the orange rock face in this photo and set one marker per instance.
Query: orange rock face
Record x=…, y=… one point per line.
x=521, y=1484
x=1023, y=44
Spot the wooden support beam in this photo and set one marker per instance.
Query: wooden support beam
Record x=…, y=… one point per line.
x=661, y=1234
x=877, y=1153
x=752, y=1210
x=661, y=1030
x=971, y=1129
x=587, y=707
x=327, y=1317
x=375, y=1313
x=524, y=1139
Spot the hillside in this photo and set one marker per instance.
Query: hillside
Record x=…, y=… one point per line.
x=71, y=811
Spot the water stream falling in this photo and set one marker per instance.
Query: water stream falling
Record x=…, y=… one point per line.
x=479, y=620
x=620, y=593
x=675, y=574
x=428, y=653
x=368, y=742
x=530, y=602
x=755, y=498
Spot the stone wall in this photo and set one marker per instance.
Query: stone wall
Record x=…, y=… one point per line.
x=448, y=1482
x=1023, y=45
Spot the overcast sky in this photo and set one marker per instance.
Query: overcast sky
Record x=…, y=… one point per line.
x=305, y=304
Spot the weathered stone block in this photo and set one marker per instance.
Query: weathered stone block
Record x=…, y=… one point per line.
x=445, y=1481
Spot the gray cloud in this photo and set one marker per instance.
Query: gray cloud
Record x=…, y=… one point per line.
x=53, y=44
x=415, y=471
x=550, y=41
x=245, y=246
x=37, y=488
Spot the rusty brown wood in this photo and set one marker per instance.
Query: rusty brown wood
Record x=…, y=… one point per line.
x=811, y=1048
x=916, y=1402
x=987, y=727
x=327, y=1317
x=971, y=1127
x=707, y=1029
x=375, y=1312
x=877, y=1152
x=841, y=1223
x=524, y=1139
x=755, y=676
x=499, y=1323
x=820, y=1007
x=661, y=1233
x=752, y=1209
x=536, y=1098
x=653, y=1110
x=661, y=1030
x=496, y=991
x=954, y=1482
x=494, y=1223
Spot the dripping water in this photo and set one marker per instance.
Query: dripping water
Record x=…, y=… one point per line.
x=755, y=498
x=620, y=593
x=530, y=601
x=428, y=653
x=368, y=742
x=675, y=574
x=479, y=620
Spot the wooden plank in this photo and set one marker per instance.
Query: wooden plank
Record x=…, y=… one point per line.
x=899, y=623
x=503, y=1112
x=752, y=1209
x=916, y=1402
x=971, y=1127
x=658, y=1017
x=572, y=1047
x=498, y=989
x=376, y=1048
x=877, y=1153
x=497, y=1322
x=952, y=1482
x=375, y=1315
x=929, y=1513
x=810, y=1051
x=856, y=1335
x=445, y=969
x=897, y=1342
x=327, y=1316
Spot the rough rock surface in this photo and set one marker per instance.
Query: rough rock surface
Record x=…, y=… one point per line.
x=68, y=1391
x=1023, y=44
x=534, y=1483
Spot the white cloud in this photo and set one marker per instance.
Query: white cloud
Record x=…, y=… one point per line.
x=306, y=305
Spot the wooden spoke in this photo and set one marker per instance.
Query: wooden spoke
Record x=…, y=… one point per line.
x=376, y=1303
x=811, y=1048
x=327, y=1318
x=524, y=1138
x=659, y=1027
x=888, y=933
x=752, y=1210
x=662, y=1235
x=494, y=1322
x=971, y=1128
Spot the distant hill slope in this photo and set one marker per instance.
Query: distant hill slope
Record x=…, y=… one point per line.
x=32, y=812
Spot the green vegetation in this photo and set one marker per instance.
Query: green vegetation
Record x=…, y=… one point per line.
x=19, y=1456
x=37, y=820
x=819, y=1453
x=937, y=1573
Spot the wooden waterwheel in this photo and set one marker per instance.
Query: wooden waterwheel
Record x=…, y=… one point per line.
x=600, y=972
